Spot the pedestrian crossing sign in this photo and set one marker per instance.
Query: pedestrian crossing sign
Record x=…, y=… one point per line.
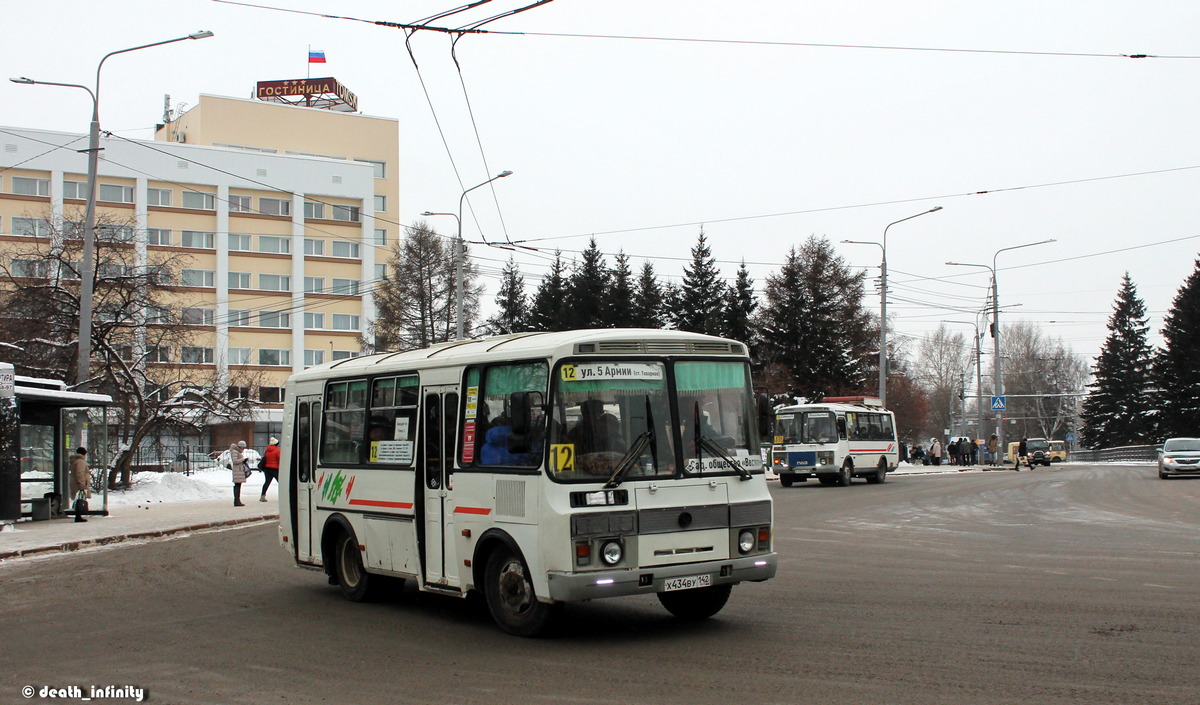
x=999, y=403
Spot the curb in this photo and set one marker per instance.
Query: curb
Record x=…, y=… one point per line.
x=71, y=546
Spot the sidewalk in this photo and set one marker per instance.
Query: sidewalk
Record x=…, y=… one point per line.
x=127, y=523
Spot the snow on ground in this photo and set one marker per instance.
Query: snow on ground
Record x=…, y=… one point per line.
x=172, y=487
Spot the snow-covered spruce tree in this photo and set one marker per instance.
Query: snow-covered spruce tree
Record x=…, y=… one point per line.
x=700, y=306
x=1177, y=365
x=1114, y=412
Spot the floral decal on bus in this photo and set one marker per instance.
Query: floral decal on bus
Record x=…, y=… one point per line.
x=333, y=486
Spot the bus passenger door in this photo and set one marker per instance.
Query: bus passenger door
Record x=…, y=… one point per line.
x=303, y=481
x=439, y=415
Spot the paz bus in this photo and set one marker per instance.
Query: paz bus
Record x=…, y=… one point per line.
x=835, y=441
x=536, y=469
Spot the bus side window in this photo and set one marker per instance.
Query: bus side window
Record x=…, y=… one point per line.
x=841, y=422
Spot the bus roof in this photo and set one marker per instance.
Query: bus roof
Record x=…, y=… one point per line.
x=830, y=406
x=604, y=341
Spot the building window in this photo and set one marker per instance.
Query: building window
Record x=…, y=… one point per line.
x=314, y=321
x=343, y=354
x=313, y=209
x=239, y=280
x=380, y=203
x=197, y=277
x=380, y=272
x=314, y=357
x=345, y=321
x=196, y=238
x=114, y=233
x=239, y=356
x=273, y=243
x=114, y=193
x=239, y=204
x=274, y=206
x=159, y=274
x=272, y=356
x=314, y=247
x=274, y=319
x=344, y=248
x=26, y=186
x=271, y=395
x=239, y=242
x=158, y=236
x=75, y=189
x=239, y=317
x=274, y=282
x=158, y=197
x=380, y=167
x=31, y=268
x=314, y=285
x=348, y=214
x=37, y=227
x=199, y=200
x=158, y=353
x=347, y=287
x=157, y=315
x=195, y=355
x=196, y=316
x=381, y=237
x=235, y=393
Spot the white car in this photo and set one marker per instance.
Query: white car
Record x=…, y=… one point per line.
x=1179, y=456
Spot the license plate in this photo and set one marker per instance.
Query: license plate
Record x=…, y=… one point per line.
x=687, y=582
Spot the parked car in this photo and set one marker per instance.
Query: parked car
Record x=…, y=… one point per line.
x=1179, y=456
x=1038, y=450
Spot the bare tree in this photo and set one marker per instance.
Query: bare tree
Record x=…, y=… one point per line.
x=1040, y=376
x=137, y=331
x=942, y=362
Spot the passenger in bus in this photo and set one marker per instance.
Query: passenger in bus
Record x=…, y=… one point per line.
x=495, y=449
x=597, y=431
x=380, y=430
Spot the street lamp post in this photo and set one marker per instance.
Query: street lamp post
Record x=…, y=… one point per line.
x=459, y=254
x=89, y=223
x=883, y=300
x=997, y=379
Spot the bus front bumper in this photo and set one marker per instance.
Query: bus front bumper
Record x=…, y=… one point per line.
x=573, y=587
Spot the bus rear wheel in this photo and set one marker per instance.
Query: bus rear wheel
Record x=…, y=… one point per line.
x=510, y=596
x=696, y=604
x=880, y=475
x=786, y=480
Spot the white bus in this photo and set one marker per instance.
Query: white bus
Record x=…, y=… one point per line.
x=835, y=441
x=537, y=469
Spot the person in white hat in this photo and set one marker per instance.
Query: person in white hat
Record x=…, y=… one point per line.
x=270, y=466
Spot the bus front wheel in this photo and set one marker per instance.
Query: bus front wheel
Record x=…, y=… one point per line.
x=356, y=583
x=696, y=604
x=510, y=596
x=847, y=474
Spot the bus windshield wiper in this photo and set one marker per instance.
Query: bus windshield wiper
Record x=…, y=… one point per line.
x=646, y=438
x=713, y=447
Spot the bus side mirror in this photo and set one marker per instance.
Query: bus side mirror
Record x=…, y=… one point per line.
x=520, y=411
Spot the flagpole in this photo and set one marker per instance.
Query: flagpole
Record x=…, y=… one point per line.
x=308, y=63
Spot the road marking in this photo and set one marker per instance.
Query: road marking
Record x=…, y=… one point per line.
x=1109, y=580
x=1164, y=587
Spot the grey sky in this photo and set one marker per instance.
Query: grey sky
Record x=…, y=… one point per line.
x=622, y=137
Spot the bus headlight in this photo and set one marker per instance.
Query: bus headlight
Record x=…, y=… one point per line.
x=611, y=552
x=747, y=541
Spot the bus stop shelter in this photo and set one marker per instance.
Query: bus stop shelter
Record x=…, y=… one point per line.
x=41, y=425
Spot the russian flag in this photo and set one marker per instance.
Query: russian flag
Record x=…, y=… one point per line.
x=316, y=57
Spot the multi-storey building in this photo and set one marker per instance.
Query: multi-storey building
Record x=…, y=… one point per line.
x=282, y=212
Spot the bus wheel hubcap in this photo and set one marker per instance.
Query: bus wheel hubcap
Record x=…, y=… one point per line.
x=515, y=592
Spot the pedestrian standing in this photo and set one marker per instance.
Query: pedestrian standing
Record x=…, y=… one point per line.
x=935, y=452
x=270, y=466
x=964, y=451
x=993, y=445
x=237, y=465
x=952, y=451
x=1022, y=451
x=81, y=482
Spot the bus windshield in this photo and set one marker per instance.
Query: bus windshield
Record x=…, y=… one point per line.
x=603, y=410
x=812, y=427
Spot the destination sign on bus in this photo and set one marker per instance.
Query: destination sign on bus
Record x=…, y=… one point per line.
x=611, y=371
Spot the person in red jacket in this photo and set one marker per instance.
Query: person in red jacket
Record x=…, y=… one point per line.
x=270, y=466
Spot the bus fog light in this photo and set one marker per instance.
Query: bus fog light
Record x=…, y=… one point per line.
x=611, y=552
x=746, y=541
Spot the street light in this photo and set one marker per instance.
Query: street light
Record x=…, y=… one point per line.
x=997, y=380
x=460, y=251
x=89, y=223
x=883, y=301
